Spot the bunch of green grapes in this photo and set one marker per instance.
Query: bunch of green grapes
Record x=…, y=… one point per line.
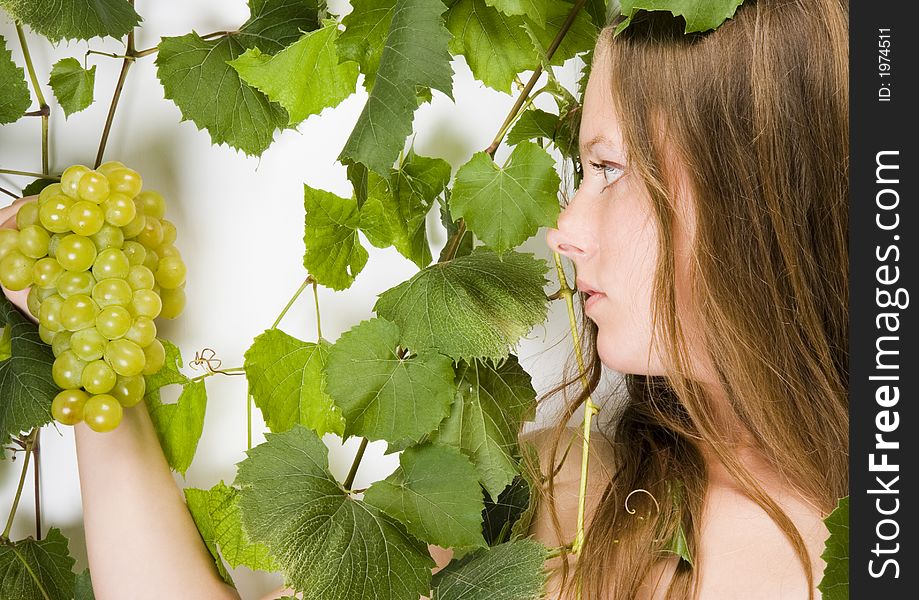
x=101, y=260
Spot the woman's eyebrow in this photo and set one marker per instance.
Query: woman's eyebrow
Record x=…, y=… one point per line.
x=598, y=139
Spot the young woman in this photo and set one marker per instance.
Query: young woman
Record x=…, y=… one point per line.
x=710, y=232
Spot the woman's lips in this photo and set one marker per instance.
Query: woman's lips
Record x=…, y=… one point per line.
x=594, y=298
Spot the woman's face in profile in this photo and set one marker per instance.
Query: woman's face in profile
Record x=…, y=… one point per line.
x=609, y=232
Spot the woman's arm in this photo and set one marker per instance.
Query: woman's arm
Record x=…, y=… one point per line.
x=141, y=540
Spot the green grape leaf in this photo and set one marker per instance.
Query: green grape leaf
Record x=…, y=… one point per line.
x=678, y=544
x=36, y=187
x=505, y=206
x=495, y=45
x=415, y=55
x=536, y=10
x=533, y=124
x=197, y=502
x=334, y=255
x=37, y=570
x=362, y=41
x=304, y=78
x=286, y=381
x=6, y=343
x=475, y=306
x=395, y=210
x=83, y=586
x=511, y=571
x=72, y=85
x=491, y=404
x=15, y=99
x=26, y=385
x=501, y=514
x=435, y=494
x=699, y=15
x=178, y=425
x=382, y=396
x=218, y=511
x=196, y=75
x=325, y=542
x=835, y=582
x=75, y=19
x=598, y=11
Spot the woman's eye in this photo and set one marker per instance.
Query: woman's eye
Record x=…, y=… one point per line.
x=610, y=173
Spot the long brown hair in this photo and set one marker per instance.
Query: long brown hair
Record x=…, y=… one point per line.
x=757, y=112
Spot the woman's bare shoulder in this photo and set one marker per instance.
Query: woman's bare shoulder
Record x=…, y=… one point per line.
x=743, y=552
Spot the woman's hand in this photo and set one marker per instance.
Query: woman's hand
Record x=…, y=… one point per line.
x=8, y=221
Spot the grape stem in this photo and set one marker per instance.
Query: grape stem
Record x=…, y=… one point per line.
x=589, y=410
x=37, y=477
x=293, y=299
x=349, y=480
x=5, y=536
x=454, y=241
x=8, y=193
x=29, y=174
x=125, y=65
x=43, y=108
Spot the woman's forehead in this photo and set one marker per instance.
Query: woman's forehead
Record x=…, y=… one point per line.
x=599, y=120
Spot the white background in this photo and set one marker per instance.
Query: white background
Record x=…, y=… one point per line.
x=240, y=229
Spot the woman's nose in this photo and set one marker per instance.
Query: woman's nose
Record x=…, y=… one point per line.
x=571, y=239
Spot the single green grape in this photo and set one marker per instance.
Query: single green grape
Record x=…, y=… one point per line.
x=98, y=377
x=46, y=272
x=109, y=166
x=85, y=217
x=169, y=231
x=75, y=282
x=33, y=241
x=119, y=209
x=146, y=303
x=67, y=406
x=88, y=344
x=78, y=312
x=151, y=204
x=34, y=299
x=155, y=356
x=141, y=278
x=93, y=186
x=107, y=237
x=173, y=302
x=142, y=332
x=152, y=260
x=46, y=335
x=135, y=226
x=9, y=240
x=16, y=270
x=113, y=321
x=135, y=252
x=55, y=214
x=67, y=370
x=168, y=250
x=125, y=180
x=70, y=179
x=61, y=342
x=113, y=291
x=27, y=215
x=129, y=390
x=49, y=315
x=76, y=252
x=111, y=263
x=171, y=272
x=125, y=357
x=152, y=234
x=48, y=192
x=102, y=413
